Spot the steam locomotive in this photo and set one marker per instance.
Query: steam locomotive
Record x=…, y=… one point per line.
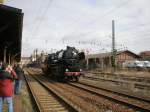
x=64, y=65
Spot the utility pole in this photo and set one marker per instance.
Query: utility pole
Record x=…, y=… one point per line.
x=113, y=47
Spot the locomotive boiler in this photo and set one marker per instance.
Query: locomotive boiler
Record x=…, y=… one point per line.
x=64, y=64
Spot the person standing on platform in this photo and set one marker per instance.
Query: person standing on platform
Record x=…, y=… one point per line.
x=11, y=71
x=6, y=88
x=18, y=81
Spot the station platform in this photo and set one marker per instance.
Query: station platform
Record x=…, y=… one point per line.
x=10, y=49
x=21, y=102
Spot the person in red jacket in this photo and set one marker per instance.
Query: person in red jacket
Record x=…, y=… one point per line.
x=6, y=87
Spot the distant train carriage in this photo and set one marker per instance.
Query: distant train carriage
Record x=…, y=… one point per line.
x=64, y=64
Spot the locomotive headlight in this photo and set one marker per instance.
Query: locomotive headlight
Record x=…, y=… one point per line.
x=80, y=70
x=67, y=70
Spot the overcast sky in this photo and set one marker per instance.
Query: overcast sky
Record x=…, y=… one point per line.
x=86, y=24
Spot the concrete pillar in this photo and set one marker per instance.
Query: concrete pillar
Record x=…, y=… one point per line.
x=99, y=60
x=102, y=63
x=87, y=63
x=9, y=58
x=110, y=62
x=5, y=51
x=95, y=62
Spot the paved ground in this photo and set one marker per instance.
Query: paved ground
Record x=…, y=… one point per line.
x=22, y=102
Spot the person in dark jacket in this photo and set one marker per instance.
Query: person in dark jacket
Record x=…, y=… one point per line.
x=6, y=88
x=18, y=81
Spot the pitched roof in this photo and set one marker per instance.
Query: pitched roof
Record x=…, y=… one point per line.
x=146, y=53
x=128, y=52
x=108, y=54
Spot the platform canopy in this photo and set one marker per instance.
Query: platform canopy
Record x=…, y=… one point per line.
x=11, y=23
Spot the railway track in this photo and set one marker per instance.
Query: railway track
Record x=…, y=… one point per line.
x=45, y=100
x=134, y=102
x=140, y=97
x=83, y=100
x=122, y=76
x=98, y=100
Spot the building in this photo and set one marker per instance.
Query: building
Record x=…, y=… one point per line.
x=25, y=60
x=39, y=57
x=145, y=55
x=104, y=60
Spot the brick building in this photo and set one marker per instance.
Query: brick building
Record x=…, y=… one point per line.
x=145, y=55
x=104, y=60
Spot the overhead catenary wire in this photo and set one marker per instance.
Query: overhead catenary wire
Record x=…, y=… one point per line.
x=35, y=19
x=35, y=32
x=107, y=14
x=112, y=11
x=121, y=5
x=116, y=8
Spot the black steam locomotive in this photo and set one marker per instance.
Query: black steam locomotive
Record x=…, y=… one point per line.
x=64, y=64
